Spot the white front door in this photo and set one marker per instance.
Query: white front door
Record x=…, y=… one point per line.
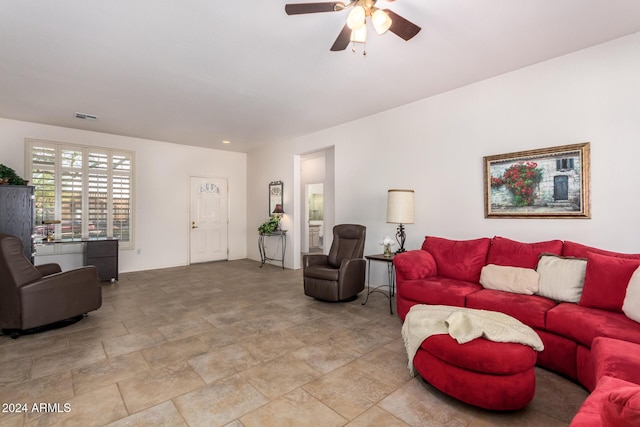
x=208, y=219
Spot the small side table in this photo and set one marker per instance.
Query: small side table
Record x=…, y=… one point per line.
x=282, y=234
x=391, y=284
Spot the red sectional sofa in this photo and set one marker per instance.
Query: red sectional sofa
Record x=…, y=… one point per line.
x=587, y=335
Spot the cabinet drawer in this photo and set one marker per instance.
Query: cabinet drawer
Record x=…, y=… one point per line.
x=107, y=248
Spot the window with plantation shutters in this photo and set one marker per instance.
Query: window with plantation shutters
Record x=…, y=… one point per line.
x=43, y=177
x=71, y=181
x=88, y=189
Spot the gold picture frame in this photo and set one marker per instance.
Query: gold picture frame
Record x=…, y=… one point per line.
x=544, y=183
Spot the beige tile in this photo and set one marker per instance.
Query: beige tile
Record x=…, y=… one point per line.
x=385, y=366
x=98, y=333
x=12, y=420
x=397, y=346
x=95, y=408
x=300, y=312
x=173, y=352
x=314, y=331
x=66, y=359
x=132, y=342
x=164, y=414
x=361, y=340
x=376, y=417
x=15, y=370
x=219, y=403
x=109, y=371
x=418, y=404
x=348, y=391
x=279, y=376
x=324, y=356
x=184, y=329
x=147, y=323
x=28, y=346
x=156, y=386
x=224, y=336
x=47, y=389
x=273, y=345
x=295, y=409
x=222, y=363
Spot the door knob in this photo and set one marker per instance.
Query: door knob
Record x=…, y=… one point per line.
x=193, y=224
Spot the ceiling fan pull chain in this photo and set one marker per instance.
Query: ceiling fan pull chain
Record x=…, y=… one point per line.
x=364, y=48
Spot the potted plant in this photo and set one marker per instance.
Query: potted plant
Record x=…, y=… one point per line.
x=270, y=226
x=9, y=176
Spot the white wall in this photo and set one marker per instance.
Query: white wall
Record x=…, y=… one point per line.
x=161, y=189
x=436, y=147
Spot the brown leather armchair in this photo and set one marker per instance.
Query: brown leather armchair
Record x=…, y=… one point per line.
x=340, y=275
x=36, y=296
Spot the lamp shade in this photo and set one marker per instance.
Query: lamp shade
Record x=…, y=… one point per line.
x=381, y=21
x=278, y=209
x=356, y=18
x=400, y=206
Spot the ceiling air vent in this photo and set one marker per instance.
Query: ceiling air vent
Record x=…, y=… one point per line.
x=85, y=116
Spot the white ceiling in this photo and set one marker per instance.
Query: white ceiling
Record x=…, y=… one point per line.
x=201, y=71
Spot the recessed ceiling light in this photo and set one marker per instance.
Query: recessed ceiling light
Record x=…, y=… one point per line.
x=85, y=116
x=226, y=142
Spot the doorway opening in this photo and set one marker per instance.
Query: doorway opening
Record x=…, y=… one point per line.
x=317, y=195
x=315, y=214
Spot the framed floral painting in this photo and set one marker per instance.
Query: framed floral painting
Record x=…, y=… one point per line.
x=544, y=183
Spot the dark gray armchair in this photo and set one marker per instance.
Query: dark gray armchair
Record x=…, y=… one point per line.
x=36, y=296
x=340, y=275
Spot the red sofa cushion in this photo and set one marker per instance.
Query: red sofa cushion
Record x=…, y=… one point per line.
x=487, y=390
x=590, y=413
x=414, y=265
x=616, y=358
x=517, y=254
x=559, y=354
x=458, y=259
x=583, y=324
x=621, y=407
x=437, y=290
x=481, y=355
x=606, y=280
x=580, y=251
x=529, y=309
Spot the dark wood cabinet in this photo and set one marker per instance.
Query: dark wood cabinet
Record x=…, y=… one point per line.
x=104, y=255
x=17, y=214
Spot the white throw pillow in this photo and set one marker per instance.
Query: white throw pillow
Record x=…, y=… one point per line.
x=631, y=304
x=561, y=279
x=510, y=279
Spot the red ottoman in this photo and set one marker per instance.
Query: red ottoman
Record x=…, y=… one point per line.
x=488, y=374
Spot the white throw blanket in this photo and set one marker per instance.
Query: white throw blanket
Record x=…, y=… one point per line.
x=464, y=325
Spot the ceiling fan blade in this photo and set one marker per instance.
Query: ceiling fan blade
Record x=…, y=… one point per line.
x=300, y=8
x=402, y=27
x=343, y=39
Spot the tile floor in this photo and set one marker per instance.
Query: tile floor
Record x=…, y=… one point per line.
x=229, y=343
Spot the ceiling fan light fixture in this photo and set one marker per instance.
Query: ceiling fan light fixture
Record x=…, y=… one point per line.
x=381, y=21
x=359, y=35
x=356, y=18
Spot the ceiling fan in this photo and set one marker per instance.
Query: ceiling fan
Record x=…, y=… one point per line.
x=355, y=30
